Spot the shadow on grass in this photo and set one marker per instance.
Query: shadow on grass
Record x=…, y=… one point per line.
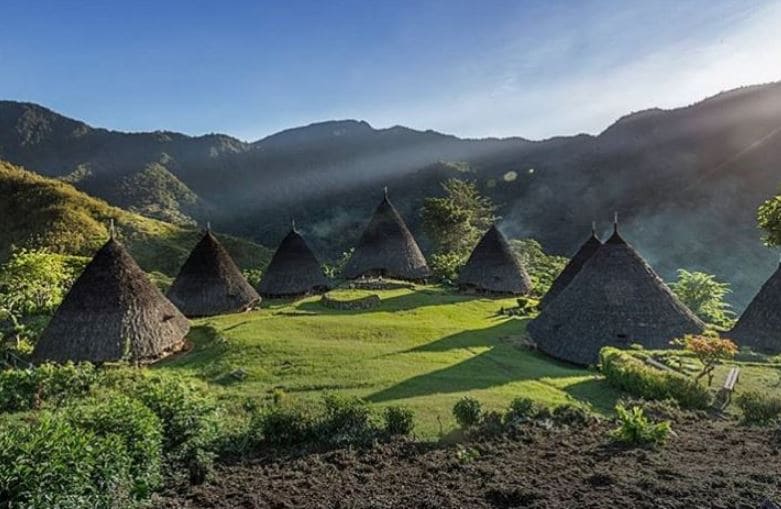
x=414, y=300
x=503, y=363
x=595, y=392
x=208, y=345
x=508, y=331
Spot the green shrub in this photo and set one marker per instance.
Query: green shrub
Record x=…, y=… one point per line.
x=491, y=423
x=190, y=423
x=521, y=409
x=467, y=412
x=636, y=429
x=52, y=463
x=283, y=424
x=630, y=374
x=399, y=420
x=346, y=420
x=758, y=408
x=138, y=427
x=28, y=389
x=446, y=266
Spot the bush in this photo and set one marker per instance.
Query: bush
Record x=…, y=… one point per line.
x=52, y=463
x=347, y=420
x=467, y=412
x=758, y=408
x=627, y=373
x=138, y=427
x=522, y=409
x=446, y=266
x=190, y=423
x=283, y=424
x=27, y=389
x=399, y=420
x=636, y=429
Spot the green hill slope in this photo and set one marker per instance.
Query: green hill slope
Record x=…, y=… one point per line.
x=36, y=211
x=424, y=348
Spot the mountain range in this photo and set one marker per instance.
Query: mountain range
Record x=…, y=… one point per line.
x=685, y=182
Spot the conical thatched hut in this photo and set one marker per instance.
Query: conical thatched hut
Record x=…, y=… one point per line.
x=387, y=248
x=573, y=267
x=209, y=283
x=759, y=327
x=294, y=270
x=113, y=312
x=616, y=299
x=492, y=267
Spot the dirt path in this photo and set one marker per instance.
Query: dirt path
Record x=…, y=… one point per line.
x=707, y=464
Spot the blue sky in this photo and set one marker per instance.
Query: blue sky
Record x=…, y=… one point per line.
x=471, y=68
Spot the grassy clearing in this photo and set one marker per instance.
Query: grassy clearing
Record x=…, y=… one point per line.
x=425, y=348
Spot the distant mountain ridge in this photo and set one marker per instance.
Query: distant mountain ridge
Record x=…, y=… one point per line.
x=686, y=182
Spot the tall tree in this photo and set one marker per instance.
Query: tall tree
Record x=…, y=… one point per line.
x=704, y=295
x=455, y=222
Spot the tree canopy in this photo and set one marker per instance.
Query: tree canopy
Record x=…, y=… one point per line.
x=455, y=222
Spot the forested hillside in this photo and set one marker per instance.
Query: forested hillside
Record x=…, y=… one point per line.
x=38, y=212
x=686, y=182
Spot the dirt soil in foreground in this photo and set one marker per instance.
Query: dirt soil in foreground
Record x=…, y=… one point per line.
x=717, y=464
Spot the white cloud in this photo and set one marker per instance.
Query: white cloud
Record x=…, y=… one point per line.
x=520, y=96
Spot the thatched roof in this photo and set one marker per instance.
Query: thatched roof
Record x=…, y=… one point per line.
x=572, y=268
x=759, y=327
x=113, y=312
x=209, y=283
x=492, y=267
x=616, y=299
x=387, y=248
x=294, y=270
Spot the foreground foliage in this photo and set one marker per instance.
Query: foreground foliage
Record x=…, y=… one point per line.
x=636, y=429
x=100, y=438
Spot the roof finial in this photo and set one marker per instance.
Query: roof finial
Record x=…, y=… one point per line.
x=615, y=222
x=293, y=223
x=208, y=226
x=112, y=231
x=385, y=189
x=594, y=228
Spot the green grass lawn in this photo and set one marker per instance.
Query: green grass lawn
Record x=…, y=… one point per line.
x=424, y=348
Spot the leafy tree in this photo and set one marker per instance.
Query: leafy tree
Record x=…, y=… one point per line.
x=455, y=222
x=769, y=219
x=704, y=295
x=709, y=351
x=543, y=268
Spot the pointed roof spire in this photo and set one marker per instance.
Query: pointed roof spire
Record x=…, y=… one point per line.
x=385, y=190
x=293, y=224
x=492, y=267
x=209, y=282
x=112, y=230
x=593, y=228
x=208, y=226
x=615, y=222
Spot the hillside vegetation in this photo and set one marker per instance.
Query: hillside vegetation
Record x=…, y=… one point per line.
x=39, y=212
x=685, y=181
